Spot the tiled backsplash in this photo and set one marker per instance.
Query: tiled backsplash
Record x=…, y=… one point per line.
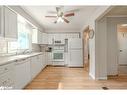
x=3, y=47
x=36, y=48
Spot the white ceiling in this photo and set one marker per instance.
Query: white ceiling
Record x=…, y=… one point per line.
x=76, y=22
x=118, y=11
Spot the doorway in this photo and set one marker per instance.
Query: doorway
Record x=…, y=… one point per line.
x=86, y=56
x=122, y=49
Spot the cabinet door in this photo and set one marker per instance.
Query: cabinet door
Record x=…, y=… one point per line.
x=22, y=70
x=7, y=76
x=41, y=64
x=35, y=66
x=46, y=58
x=44, y=38
x=39, y=37
x=1, y=22
x=34, y=36
x=50, y=38
x=10, y=23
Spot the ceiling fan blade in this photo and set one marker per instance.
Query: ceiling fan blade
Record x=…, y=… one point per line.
x=69, y=14
x=51, y=16
x=66, y=20
x=57, y=9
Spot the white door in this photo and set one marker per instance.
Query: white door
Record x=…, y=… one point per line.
x=76, y=59
x=122, y=43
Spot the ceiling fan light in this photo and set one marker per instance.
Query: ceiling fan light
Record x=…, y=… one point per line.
x=60, y=19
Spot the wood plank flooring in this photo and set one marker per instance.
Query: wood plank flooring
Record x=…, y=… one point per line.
x=73, y=78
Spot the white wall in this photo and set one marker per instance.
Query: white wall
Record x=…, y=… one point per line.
x=95, y=57
x=101, y=48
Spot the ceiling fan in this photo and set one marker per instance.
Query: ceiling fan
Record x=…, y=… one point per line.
x=61, y=16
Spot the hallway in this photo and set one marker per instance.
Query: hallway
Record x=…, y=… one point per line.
x=73, y=78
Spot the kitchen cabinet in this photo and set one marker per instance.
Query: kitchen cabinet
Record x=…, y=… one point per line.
x=1, y=22
x=46, y=58
x=44, y=38
x=36, y=36
x=7, y=76
x=50, y=59
x=41, y=61
x=22, y=73
x=8, y=23
x=17, y=74
x=61, y=37
x=50, y=39
x=36, y=65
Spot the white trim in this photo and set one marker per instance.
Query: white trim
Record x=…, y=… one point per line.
x=92, y=76
x=102, y=78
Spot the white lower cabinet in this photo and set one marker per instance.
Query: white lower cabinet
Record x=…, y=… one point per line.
x=35, y=66
x=16, y=75
x=49, y=58
x=7, y=80
x=22, y=73
x=41, y=59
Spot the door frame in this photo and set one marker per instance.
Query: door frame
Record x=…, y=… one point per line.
x=86, y=48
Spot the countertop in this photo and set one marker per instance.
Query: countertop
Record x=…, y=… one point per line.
x=6, y=60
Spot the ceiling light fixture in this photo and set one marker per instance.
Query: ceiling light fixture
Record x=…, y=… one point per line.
x=60, y=19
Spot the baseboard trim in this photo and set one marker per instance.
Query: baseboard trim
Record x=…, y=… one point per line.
x=91, y=76
x=102, y=78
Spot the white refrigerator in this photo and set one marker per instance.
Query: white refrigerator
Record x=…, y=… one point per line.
x=75, y=52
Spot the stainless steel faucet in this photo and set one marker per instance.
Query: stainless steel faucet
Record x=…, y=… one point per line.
x=26, y=51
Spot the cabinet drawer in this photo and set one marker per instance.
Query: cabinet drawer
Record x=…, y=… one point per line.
x=6, y=68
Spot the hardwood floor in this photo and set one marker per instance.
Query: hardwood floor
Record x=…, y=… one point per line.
x=73, y=78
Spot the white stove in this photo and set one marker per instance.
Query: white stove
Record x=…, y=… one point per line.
x=58, y=56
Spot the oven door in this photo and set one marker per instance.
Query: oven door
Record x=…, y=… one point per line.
x=58, y=55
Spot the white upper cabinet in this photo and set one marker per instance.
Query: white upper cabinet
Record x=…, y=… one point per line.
x=10, y=24
x=36, y=36
x=44, y=38
x=39, y=37
x=61, y=36
x=1, y=22
x=50, y=38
